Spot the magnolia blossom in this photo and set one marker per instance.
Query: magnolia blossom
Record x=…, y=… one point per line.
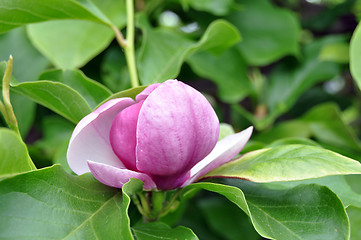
x=167, y=138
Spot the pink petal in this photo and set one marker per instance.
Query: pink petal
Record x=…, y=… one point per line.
x=123, y=135
x=117, y=177
x=170, y=182
x=225, y=150
x=144, y=94
x=177, y=127
x=90, y=139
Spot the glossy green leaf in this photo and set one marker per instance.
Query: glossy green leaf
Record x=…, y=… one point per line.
x=268, y=32
x=133, y=186
x=55, y=205
x=355, y=55
x=28, y=62
x=93, y=92
x=70, y=44
x=338, y=184
x=228, y=70
x=17, y=13
x=287, y=163
x=159, y=230
x=56, y=96
x=14, y=156
x=170, y=48
x=283, y=214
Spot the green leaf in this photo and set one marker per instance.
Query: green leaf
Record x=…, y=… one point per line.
x=24, y=112
x=93, y=92
x=286, y=129
x=227, y=219
x=225, y=130
x=56, y=96
x=28, y=62
x=14, y=156
x=132, y=93
x=330, y=130
x=354, y=215
x=107, y=10
x=228, y=70
x=283, y=214
x=17, y=13
x=53, y=145
x=336, y=52
x=114, y=72
x=70, y=44
x=338, y=184
x=269, y=33
x=216, y=7
x=355, y=55
x=50, y=204
x=170, y=48
x=288, y=81
x=287, y=163
x=133, y=186
x=159, y=230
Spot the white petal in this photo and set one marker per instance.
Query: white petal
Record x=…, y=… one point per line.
x=90, y=139
x=225, y=150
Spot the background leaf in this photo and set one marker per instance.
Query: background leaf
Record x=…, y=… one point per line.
x=269, y=33
x=287, y=82
x=56, y=96
x=228, y=70
x=216, y=7
x=14, y=156
x=28, y=62
x=171, y=48
x=355, y=53
x=70, y=44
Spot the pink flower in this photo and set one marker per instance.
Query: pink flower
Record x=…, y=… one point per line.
x=167, y=138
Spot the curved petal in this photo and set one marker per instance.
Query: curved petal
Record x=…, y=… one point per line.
x=225, y=150
x=90, y=139
x=117, y=177
x=177, y=127
x=144, y=94
x=123, y=134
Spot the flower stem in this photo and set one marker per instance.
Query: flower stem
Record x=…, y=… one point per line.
x=6, y=108
x=128, y=43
